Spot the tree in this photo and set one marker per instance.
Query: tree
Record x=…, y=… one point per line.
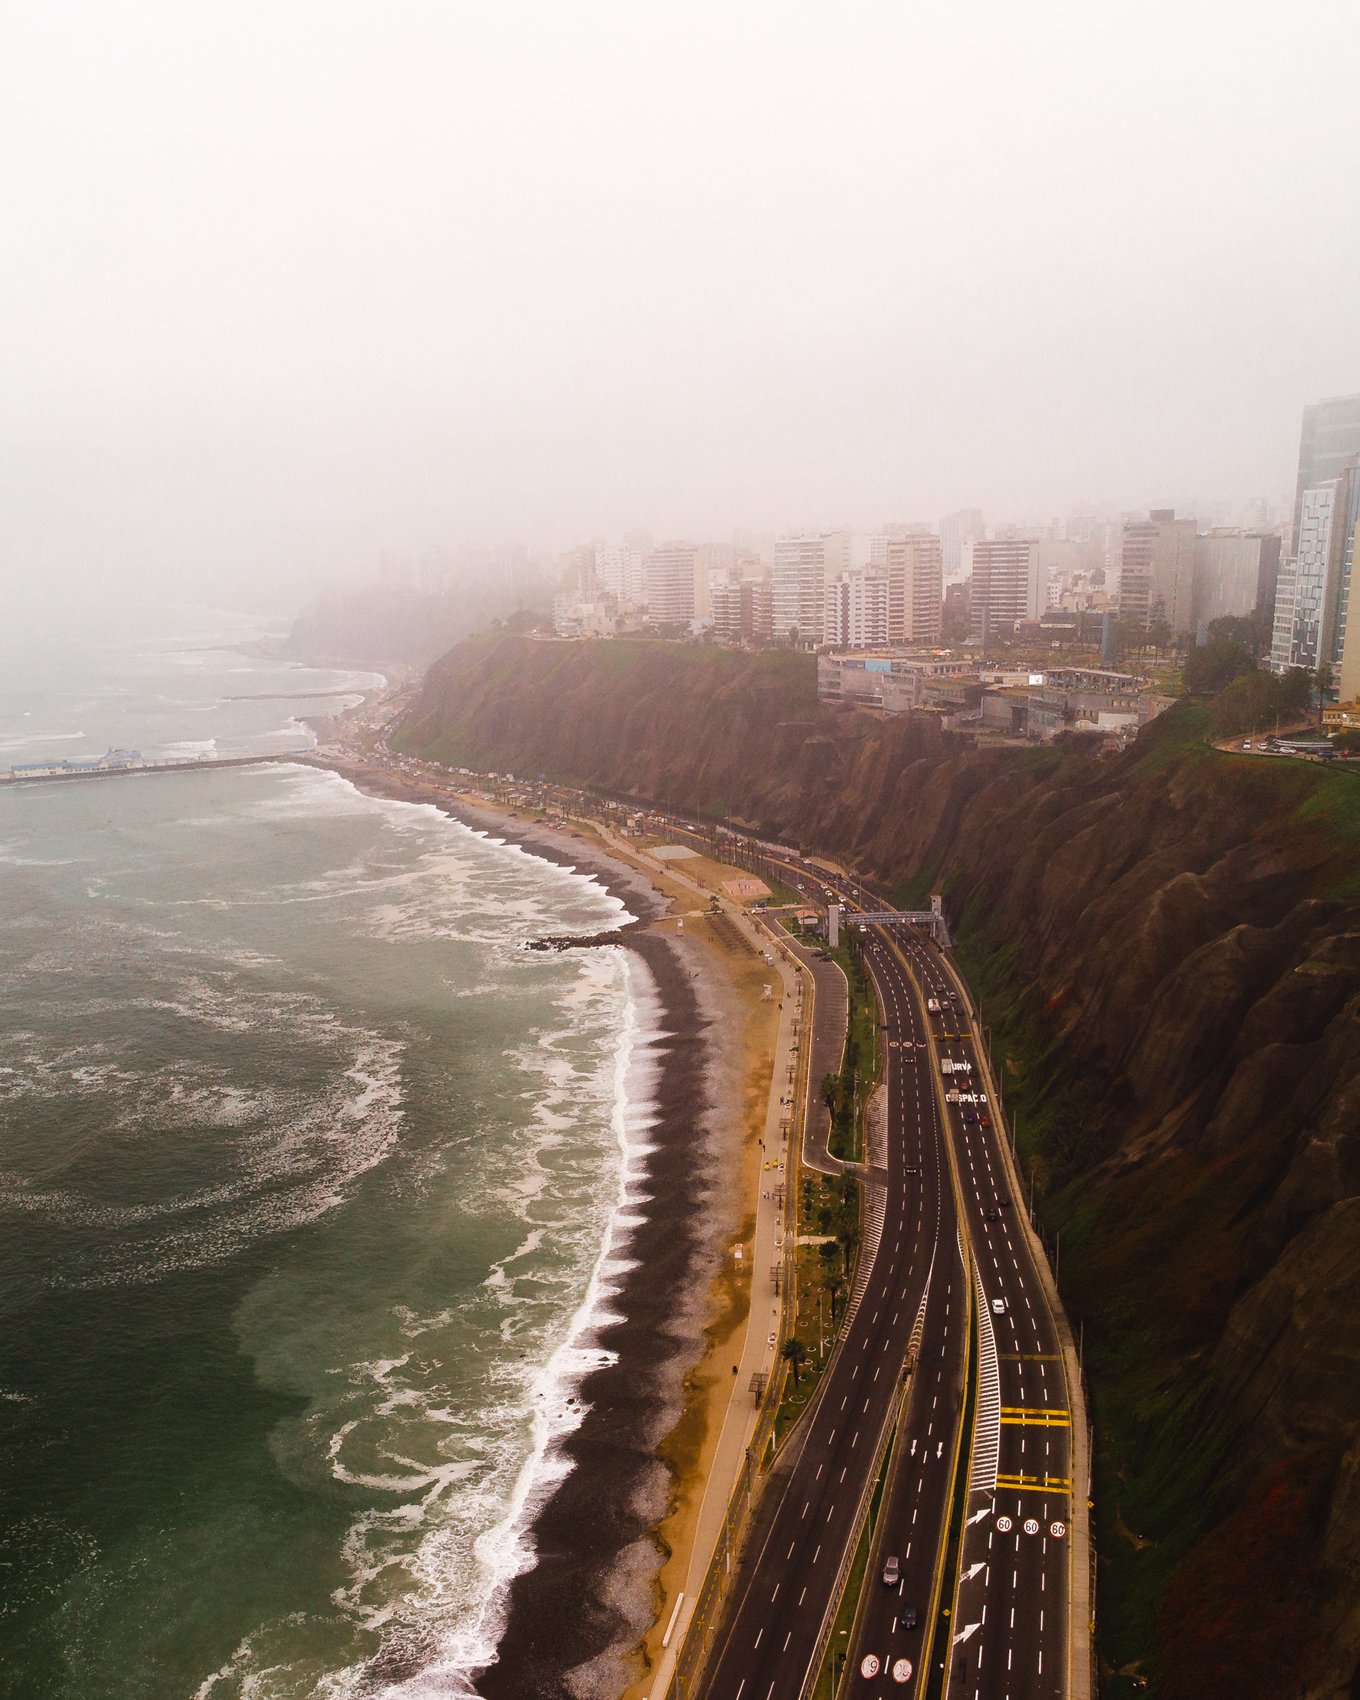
x=1346, y=743
x=1211, y=667
x=793, y=1351
x=832, y=1283
x=1296, y=690
x=829, y=1088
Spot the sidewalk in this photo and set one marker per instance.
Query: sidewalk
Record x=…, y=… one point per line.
x=760, y=1339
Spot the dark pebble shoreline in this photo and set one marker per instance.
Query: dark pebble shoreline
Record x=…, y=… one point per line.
x=570, y=1610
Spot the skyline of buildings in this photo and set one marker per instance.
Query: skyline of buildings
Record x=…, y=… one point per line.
x=1148, y=569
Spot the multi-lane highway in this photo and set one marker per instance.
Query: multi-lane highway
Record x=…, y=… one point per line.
x=894, y=1626
x=773, y=1626
x=1010, y=1623
x=1009, y=1628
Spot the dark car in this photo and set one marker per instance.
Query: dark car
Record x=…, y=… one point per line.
x=969, y=1116
x=911, y=1169
x=908, y=1618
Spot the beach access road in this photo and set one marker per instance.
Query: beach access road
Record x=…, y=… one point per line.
x=792, y=1572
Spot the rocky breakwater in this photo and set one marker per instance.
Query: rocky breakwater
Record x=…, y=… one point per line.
x=1167, y=949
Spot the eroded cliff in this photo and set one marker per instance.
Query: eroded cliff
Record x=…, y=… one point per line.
x=1167, y=946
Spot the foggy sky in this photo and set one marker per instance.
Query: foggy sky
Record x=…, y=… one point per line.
x=281, y=284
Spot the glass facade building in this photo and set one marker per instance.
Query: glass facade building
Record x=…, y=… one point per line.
x=1330, y=436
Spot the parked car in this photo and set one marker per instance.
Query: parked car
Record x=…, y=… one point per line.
x=892, y=1573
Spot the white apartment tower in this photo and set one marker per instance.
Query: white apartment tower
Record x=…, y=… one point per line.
x=802, y=566
x=857, y=610
x=670, y=584
x=913, y=565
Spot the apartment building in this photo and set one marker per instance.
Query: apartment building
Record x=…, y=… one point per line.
x=856, y=610
x=802, y=566
x=1157, y=571
x=743, y=610
x=956, y=529
x=1007, y=583
x=672, y=571
x=913, y=563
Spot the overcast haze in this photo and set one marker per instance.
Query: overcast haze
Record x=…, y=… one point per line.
x=281, y=285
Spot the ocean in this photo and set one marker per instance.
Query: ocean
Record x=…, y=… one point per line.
x=314, y=1186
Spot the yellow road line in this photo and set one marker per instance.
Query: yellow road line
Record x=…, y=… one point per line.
x=1043, y=1483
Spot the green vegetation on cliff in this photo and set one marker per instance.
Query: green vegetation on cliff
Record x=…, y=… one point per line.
x=1167, y=946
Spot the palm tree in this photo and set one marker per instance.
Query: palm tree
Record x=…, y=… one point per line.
x=832, y=1282
x=793, y=1351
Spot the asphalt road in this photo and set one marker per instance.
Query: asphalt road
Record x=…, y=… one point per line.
x=778, y=1606
x=1010, y=1627
x=912, y=1515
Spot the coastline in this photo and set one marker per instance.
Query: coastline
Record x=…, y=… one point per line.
x=612, y=1537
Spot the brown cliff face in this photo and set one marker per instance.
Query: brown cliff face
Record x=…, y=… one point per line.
x=1167, y=946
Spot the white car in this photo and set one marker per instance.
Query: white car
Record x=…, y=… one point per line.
x=998, y=1307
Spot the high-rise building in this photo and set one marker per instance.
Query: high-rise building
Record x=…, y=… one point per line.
x=1007, y=583
x=1282, y=629
x=1330, y=436
x=670, y=584
x=1315, y=632
x=955, y=530
x=1267, y=573
x=1157, y=571
x=725, y=597
x=856, y=614
x=1227, y=573
x=579, y=581
x=609, y=571
x=911, y=561
x=757, y=609
x=802, y=566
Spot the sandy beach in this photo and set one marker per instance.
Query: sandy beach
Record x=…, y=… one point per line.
x=615, y=1539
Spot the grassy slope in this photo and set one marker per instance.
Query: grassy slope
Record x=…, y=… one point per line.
x=1150, y=1266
